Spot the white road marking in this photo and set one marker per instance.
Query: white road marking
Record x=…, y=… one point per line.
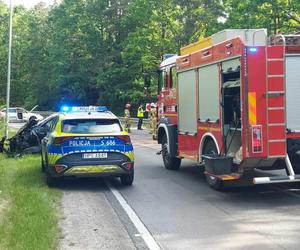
x=143, y=231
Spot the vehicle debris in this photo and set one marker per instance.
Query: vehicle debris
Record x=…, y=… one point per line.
x=28, y=138
x=24, y=141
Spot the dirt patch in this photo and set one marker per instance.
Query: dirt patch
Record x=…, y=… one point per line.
x=4, y=205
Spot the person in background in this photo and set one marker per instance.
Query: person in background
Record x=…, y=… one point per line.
x=140, y=115
x=127, y=117
x=153, y=120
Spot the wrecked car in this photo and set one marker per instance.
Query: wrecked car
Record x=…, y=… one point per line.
x=28, y=138
x=17, y=114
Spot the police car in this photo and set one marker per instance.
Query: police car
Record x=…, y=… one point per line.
x=84, y=142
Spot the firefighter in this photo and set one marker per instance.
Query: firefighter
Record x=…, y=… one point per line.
x=150, y=116
x=140, y=115
x=153, y=121
x=127, y=117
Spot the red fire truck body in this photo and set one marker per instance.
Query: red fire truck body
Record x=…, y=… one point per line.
x=234, y=105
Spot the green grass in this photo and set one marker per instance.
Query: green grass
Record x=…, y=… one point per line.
x=28, y=208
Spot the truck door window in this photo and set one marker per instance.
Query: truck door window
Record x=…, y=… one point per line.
x=208, y=92
x=165, y=75
x=162, y=80
x=173, y=78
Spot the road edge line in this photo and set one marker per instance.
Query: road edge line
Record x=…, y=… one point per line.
x=141, y=228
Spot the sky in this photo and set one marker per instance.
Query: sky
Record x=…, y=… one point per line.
x=28, y=3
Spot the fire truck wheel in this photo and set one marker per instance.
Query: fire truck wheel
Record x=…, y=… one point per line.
x=214, y=182
x=172, y=163
x=296, y=166
x=211, y=149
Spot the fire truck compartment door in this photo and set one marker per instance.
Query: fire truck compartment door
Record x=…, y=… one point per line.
x=293, y=92
x=187, y=112
x=209, y=102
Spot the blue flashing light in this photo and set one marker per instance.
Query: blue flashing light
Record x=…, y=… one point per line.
x=102, y=108
x=253, y=49
x=65, y=108
x=166, y=56
x=84, y=109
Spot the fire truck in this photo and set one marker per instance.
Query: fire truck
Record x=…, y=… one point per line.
x=232, y=101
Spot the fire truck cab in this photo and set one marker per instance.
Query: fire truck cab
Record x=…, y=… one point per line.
x=232, y=101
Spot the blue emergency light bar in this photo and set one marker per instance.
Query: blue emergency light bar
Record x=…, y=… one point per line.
x=253, y=49
x=84, y=109
x=166, y=56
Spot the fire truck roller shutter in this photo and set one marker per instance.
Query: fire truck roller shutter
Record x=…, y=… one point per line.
x=292, y=92
x=293, y=107
x=209, y=93
x=187, y=113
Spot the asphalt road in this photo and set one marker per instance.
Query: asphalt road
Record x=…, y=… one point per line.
x=179, y=210
x=182, y=212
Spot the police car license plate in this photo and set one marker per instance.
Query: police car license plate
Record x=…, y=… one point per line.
x=94, y=155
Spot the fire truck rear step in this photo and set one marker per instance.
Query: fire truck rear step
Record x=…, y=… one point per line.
x=279, y=179
x=276, y=179
x=225, y=177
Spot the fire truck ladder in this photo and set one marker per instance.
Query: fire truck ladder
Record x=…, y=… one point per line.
x=276, y=120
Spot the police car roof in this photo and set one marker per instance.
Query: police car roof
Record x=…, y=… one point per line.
x=89, y=115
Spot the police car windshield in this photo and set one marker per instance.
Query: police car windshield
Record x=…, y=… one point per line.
x=91, y=126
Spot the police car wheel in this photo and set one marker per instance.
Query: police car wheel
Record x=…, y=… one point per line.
x=42, y=163
x=127, y=179
x=51, y=181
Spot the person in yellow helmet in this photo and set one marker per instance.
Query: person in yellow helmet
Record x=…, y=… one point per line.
x=127, y=117
x=140, y=115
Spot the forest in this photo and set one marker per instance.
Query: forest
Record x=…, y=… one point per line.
x=96, y=52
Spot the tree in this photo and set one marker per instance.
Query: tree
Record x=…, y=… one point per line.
x=98, y=51
x=278, y=16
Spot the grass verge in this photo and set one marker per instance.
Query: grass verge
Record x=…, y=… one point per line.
x=28, y=208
